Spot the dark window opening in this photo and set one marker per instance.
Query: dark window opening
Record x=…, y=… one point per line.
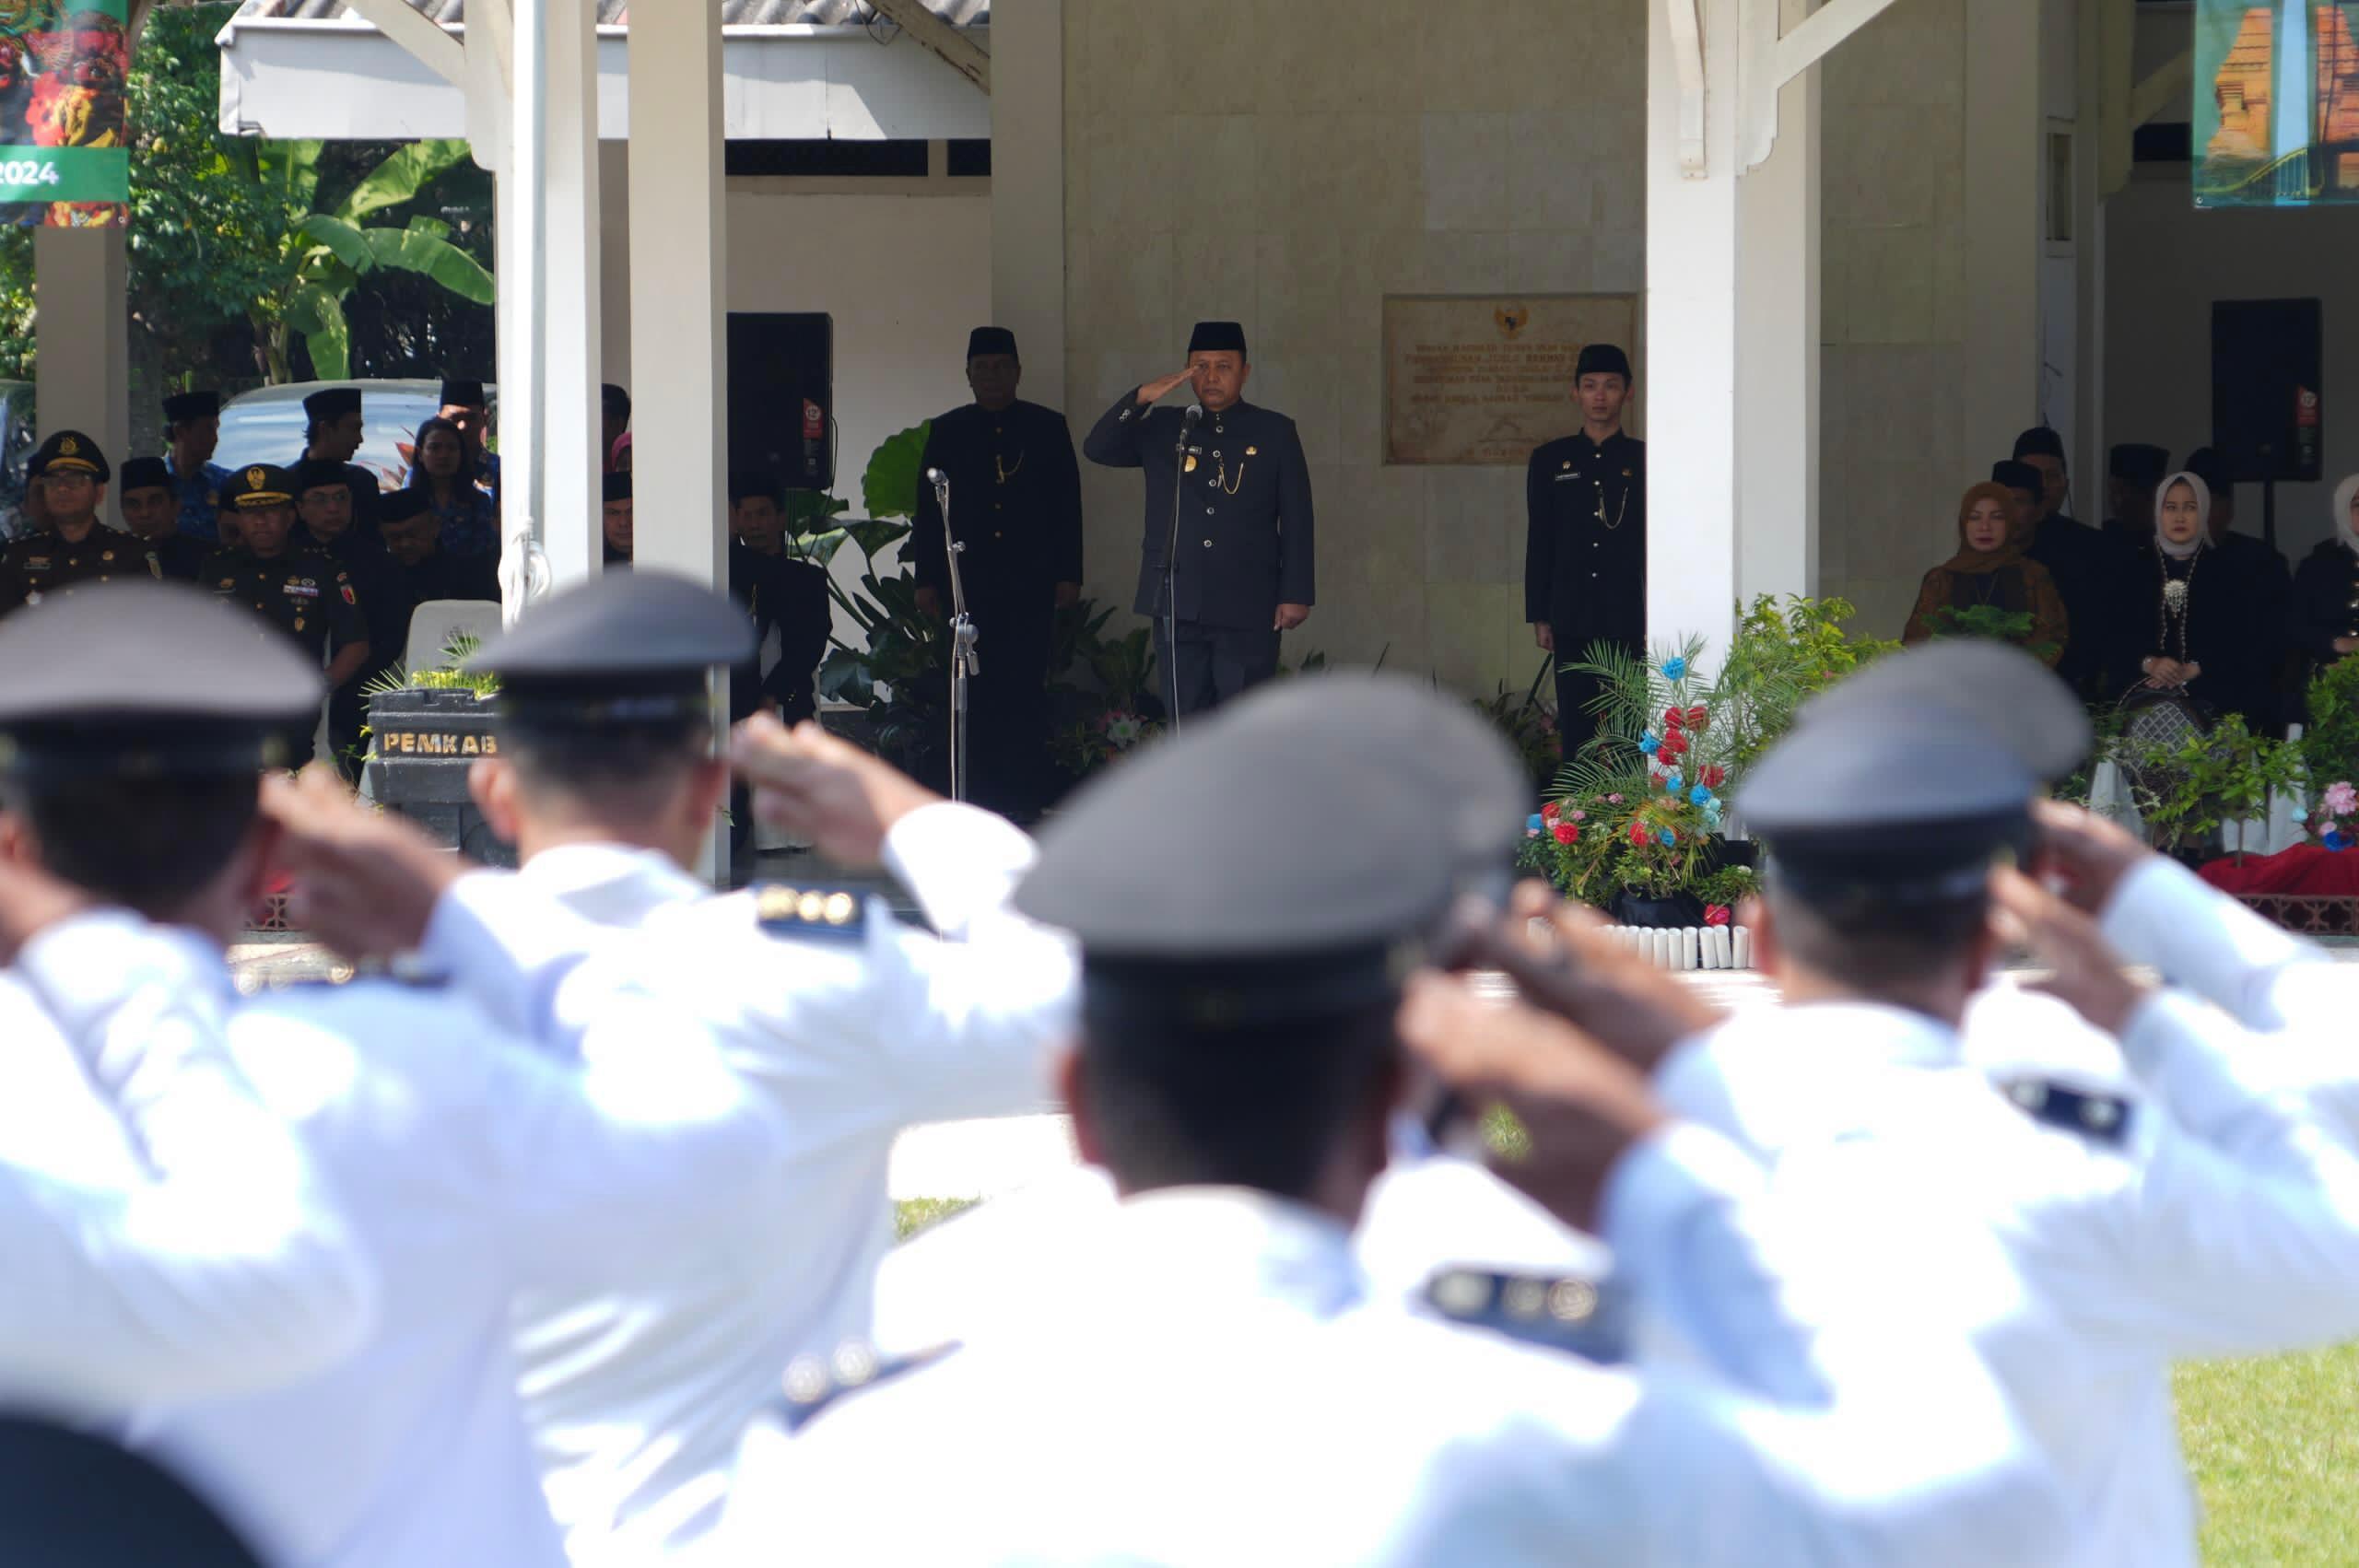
x=828, y=160
x=970, y=158
x=2173, y=143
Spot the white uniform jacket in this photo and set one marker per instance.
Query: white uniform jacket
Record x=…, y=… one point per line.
x=1220, y=1389
x=637, y=1395
x=164, y=1234
x=2208, y=1219
x=470, y=1167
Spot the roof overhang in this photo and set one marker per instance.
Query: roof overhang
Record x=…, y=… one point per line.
x=340, y=79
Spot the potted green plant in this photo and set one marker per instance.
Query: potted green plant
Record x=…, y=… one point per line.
x=2194, y=786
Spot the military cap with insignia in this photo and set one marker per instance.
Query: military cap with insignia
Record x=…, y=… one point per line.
x=622, y=648
x=148, y=679
x=616, y=486
x=462, y=391
x=68, y=449
x=1989, y=689
x=333, y=404
x=2016, y=476
x=144, y=473
x=1877, y=803
x=1602, y=360
x=1217, y=337
x=999, y=340
x=257, y=488
x=1459, y=759
x=181, y=407
x=1238, y=877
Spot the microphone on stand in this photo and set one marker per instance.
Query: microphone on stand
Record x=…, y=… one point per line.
x=939, y=480
x=1193, y=417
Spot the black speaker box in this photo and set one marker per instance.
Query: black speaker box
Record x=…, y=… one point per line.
x=2268, y=419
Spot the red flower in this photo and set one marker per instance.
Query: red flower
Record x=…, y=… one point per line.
x=1638, y=833
x=1713, y=778
x=1566, y=832
x=1673, y=718
x=1674, y=746
x=1716, y=914
x=1698, y=717
x=1549, y=812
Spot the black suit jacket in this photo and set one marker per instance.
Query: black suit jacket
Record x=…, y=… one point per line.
x=1585, y=577
x=1245, y=529
x=1015, y=501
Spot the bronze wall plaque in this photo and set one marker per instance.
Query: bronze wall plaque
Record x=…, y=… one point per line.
x=1480, y=379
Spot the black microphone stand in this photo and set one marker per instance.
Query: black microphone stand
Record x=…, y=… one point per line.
x=962, y=637
x=1171, y=572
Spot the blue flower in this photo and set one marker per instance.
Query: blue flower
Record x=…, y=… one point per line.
x=1712, y=816
x=1700, y=795
x=1673, y=669
x=1532, y=822
x=1673, y=783
x=1670, y=839
x=2338, y=841
x=1650, y=742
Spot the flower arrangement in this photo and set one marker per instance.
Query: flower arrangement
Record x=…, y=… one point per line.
x=2338, y=803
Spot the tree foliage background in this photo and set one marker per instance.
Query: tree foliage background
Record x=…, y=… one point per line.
x=213, y=240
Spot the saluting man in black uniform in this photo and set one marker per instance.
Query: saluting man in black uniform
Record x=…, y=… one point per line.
x=1245, y=565
x=301, y=591
x=74, y=546
x=1016, y=504
x=1585, y=555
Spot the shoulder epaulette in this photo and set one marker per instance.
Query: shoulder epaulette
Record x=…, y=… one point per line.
x=812, y=1383
x=2099, y=1117
x=409, y=976
x=1583, y=1317
x=783, y=911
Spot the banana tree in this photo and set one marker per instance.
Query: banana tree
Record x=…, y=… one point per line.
x=327, y=253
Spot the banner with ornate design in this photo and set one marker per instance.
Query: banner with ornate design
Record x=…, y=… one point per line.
x=65, y=157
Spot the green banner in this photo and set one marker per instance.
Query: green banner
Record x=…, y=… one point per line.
x=2275, y=121
x=64, y=156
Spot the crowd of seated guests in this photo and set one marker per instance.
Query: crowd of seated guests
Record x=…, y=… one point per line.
x=2166, y=598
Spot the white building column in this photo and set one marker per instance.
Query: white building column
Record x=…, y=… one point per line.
x=679, y=360
x=82, y=379
x=2006, y=130
x=572, y=301
x=1691, y=327
x=1778, y=350
x=1028, y=188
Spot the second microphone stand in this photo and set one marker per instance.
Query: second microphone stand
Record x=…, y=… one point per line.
x=1171, y=572
x=962, y=637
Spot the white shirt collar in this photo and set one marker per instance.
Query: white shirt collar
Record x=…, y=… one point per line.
x=1212, y=1244
x=613, y=884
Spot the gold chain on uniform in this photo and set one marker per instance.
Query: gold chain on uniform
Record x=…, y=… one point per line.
x=1620, y=515
x=1221, y=479
x=1006, y=473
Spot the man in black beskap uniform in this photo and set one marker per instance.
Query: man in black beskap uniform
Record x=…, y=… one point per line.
x=2133, y=471
x=333, y=431
x=411, y=531
x=1016, y=504
x=2087, y=565
x=783, y=593
x=151, y=509
x=1585, y=551
x=1245, y=572
x=323, y=508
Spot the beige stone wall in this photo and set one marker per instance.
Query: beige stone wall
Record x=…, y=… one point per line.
x=1288, y=163
x=1892, y=317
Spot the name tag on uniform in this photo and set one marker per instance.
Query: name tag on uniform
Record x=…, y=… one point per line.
x=300, y=590
x=37, y=564
x=1561, y=478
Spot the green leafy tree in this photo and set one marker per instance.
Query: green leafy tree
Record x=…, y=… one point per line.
x=327, y=253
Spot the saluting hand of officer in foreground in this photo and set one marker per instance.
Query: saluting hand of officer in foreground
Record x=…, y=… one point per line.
x=365, y=882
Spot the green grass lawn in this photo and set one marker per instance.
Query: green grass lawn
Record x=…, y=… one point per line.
x=2275, y=1446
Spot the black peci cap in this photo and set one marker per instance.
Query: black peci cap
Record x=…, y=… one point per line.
x=2141, y=465
x=2039, y=442
x=257, y=488
x=615, y=487
x=999, y=340
x=400, y=506
x=1999, y=694
x=69, y=451
x=1216, y=337
x=144, y=473
x=333, y=404
x=750, y=483
x=191, y=406
x=1883, y=802
x=1239, y=876
x=2017, y=476
x=148, y=679
x=1457, y=758
x=2207, y=465
x=622, y=648
x=1602, y=360
x=462, y=391
x=314, y=474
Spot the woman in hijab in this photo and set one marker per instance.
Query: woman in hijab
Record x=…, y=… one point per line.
x=2326, y=589
x=2185, y=617
x=1991, y=570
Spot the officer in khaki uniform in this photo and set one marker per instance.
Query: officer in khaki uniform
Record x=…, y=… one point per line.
x=74, y=548
x=301, y=592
